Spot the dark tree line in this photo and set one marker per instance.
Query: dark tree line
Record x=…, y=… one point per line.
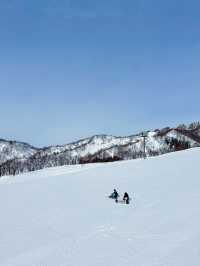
x=177, y=145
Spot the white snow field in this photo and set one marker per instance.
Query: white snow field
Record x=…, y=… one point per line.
x=62, y=217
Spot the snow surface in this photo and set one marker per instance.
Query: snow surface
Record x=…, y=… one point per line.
x=62, y=217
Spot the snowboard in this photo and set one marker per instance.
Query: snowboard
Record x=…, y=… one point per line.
x=123, y=201
x=120, y=200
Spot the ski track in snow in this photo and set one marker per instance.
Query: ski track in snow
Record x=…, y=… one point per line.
x=62, y=217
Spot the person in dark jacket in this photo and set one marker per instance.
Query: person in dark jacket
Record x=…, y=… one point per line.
x=115, y=195
x=126, y=198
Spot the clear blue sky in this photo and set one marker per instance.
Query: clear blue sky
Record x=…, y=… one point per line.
x=71, y=69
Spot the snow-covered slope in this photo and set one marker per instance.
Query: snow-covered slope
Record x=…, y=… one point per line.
x=62, y=217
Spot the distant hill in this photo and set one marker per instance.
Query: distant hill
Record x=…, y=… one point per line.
x=18, y=157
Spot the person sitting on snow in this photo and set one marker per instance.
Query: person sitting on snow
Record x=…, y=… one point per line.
x=126, y=198
x=115, y=195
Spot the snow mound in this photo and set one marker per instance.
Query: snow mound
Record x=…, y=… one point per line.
x=62, y=216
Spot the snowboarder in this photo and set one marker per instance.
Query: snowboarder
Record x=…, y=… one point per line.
x=126, y=198
x=115, y=195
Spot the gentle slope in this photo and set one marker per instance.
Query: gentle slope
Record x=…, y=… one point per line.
x=61, y=216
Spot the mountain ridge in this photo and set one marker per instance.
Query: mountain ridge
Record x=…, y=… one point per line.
x=17, y=157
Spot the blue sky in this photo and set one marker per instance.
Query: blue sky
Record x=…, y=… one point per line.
x=71, y=69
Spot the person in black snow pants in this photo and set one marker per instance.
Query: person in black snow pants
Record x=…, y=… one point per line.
x=126, y=198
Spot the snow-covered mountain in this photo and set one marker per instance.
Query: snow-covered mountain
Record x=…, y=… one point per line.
x=10, y=150
x=62, y=216
x=99, y=148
